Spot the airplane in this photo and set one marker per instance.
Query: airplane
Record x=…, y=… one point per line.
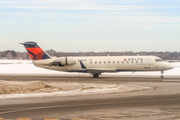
x=95, y=65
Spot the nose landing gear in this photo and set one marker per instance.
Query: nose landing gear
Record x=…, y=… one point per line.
x=162, y=74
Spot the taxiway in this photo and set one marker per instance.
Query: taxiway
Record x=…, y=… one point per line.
x=161, y=102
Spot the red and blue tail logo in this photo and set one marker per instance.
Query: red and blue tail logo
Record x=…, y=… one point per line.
x=35, y=52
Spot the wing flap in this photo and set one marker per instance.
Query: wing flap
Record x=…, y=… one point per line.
x=101, y=70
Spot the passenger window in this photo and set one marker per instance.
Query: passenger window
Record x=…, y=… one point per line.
x=109, y=62
x=104, y=62
x=90, y=62
x=136, y=61
x=132, y=61
x=113, y=62
x=127, y=62
x=95, y=62
x=141, y=61
x=122, y=61
x=99, y=62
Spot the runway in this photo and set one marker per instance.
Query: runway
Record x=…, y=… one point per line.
x=163, y=102
x=89, y=78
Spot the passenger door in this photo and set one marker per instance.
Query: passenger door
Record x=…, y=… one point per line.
x=147, y=64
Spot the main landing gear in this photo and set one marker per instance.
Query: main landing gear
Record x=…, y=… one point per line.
x=95, y=75
x=162, y=74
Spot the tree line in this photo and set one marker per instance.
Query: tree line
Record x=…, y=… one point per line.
x=11, y=54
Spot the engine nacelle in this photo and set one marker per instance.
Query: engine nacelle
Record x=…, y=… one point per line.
x=61, y=61
x=67, y=61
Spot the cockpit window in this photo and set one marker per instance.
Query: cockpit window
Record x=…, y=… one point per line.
x=159, y=60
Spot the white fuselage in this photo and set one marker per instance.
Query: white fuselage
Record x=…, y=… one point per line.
x=100, y=64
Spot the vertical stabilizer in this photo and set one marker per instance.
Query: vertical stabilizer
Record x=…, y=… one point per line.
x=35, y=52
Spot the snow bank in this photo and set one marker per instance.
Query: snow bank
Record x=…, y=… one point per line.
x=9, y=89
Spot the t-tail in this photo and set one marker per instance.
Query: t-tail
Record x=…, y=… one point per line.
x=35, y=52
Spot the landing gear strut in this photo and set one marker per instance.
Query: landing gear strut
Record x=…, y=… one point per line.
x=95, y=75
x=162, y=74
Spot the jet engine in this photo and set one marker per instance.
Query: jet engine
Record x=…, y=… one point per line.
x=67, y=61
x=61, y=61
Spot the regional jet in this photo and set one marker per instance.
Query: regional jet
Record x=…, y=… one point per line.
x=95, y=65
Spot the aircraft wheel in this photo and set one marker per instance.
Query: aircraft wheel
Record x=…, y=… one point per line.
x=96, y=75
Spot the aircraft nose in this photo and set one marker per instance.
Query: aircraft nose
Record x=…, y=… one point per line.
x=169, y=66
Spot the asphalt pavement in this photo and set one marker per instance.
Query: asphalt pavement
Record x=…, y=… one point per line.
x=163, y=102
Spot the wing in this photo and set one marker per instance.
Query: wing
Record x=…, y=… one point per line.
x=97, y=70
x=100, y=70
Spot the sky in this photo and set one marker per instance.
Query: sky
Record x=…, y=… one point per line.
x=91, y=25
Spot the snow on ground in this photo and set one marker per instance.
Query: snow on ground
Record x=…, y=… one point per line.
x=23, y=67
x=15, y=61
x=26, y=67
x=26, y=89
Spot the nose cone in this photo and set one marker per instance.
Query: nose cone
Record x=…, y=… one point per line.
x=169, y=66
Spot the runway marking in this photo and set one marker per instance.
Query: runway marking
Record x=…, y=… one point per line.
x=51, y=119
x=78, y=119
x=9, y=119
x=30, y=119
x=46, y=107
x=24, y=119
x=171, y=80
